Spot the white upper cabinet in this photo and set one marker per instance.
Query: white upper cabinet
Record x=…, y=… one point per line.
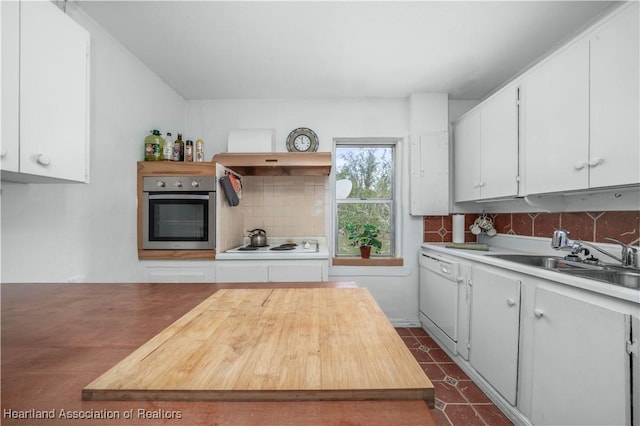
x=53, y=107
x=615, y=138
x=580, y=127
x=9, y=155
x=556, y=122
x=466, y=158
x=486, y=149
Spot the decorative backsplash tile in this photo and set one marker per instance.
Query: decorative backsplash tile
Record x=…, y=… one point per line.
x=285, y=206
x=586, y=226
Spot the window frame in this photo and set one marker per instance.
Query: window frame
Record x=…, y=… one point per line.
x=394, y=144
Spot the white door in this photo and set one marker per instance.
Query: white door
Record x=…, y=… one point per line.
x=466, y=158
x=495, y=329
x=580, y=364
x=615, y=127
x=53, y=93
x=556, y=122
x=499, y=145
x=295, y=272
x=10, y=153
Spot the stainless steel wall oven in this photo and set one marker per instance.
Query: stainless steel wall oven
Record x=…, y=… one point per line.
x=179, y=213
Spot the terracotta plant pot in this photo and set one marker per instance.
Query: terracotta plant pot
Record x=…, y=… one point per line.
x=365, y=252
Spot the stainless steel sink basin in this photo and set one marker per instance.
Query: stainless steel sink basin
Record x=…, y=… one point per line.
x=626, y=278
x=541, y=261
x=607, y=273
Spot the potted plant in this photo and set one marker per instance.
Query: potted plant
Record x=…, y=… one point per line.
x=364, y=236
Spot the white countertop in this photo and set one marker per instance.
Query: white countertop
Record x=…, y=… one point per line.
x=506, y=244
x=301, y=252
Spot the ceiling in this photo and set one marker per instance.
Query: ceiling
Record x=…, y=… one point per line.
x=339, y=49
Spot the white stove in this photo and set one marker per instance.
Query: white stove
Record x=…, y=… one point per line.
x=280, y=248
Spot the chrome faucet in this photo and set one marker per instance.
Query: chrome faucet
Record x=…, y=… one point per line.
x=561, y=241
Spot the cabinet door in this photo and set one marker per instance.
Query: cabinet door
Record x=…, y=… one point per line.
x=10, y=154
x=615, y=134
x=241, y=272
x=495, y=328
x=429, y=168
x=499, y=145
x=580, y=363
x=295, y=272
x=467, y=158
x=53, y=93
x=556, y=122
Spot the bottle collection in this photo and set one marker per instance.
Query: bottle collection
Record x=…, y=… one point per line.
x=157, y=148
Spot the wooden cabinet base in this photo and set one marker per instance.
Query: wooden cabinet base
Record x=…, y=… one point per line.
x=176, y=254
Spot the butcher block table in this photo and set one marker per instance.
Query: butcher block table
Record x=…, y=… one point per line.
x=63, y=342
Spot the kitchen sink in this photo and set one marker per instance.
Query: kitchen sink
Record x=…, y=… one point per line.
x=625, y=278
x=541, y=261
x=607, y=273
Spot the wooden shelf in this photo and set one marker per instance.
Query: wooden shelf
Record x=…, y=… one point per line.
x=277, y=163
x=374, y=261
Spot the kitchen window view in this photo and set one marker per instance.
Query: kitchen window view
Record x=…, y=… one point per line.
x=365, y=191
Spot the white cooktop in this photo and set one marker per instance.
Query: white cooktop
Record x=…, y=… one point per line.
x=304, y=248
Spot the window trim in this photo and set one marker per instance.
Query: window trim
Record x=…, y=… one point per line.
x=395, y=228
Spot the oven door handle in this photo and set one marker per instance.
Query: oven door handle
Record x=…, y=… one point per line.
x=178, y=197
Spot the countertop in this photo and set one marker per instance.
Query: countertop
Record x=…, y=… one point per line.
x=505, y=244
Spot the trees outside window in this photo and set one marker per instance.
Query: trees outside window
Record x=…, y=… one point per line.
x=365, y=192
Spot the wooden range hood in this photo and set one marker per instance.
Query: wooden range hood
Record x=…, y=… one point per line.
x=277, y=163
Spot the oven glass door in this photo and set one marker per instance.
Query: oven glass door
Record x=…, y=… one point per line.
x=179, y=217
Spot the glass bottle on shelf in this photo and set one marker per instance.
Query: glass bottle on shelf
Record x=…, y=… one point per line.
x=178, y=149
x=167, y=150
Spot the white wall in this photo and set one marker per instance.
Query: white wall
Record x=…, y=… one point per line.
x=395, y=289
x=61, y=232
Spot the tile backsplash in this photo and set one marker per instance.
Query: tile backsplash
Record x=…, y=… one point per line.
x=586, y=226
x=285, y=206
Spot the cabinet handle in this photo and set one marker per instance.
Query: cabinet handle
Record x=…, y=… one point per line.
x=510, y=301
x=43, y=160
x=3, y=153
x=596, y=162
x=580, y=165
x=538, y=313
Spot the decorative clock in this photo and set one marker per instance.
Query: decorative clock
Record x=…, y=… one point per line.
x=302, y=140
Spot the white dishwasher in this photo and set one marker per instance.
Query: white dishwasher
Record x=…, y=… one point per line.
x=439, y=298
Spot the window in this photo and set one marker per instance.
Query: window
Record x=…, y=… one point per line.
x=365, y=192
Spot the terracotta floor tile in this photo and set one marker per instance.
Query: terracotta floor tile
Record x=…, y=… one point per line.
x=421, y=356
x=403, y=331
x=411, y=342
x=442, y=418
x=418, y=332
x=433, y=371
x=451, y=369
x=463, y=414
x=492, y=415
x=428, y=342
x=448, y=393
x=472, y=392
x=439, y=355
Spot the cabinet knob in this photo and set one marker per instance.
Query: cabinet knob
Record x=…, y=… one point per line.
x=580, y=165
x=3, y=152
x=510, y=301
x=43, y=160
x=538, y=313
x=596, y=162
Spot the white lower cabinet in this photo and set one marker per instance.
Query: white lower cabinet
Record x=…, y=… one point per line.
x=495, y=329
x=237, y=271
x=547, y=353
x=581, y=370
